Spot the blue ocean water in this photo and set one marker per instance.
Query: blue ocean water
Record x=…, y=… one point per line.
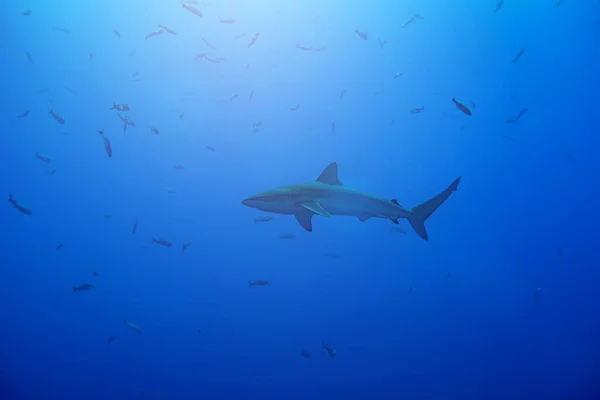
x=500, y=303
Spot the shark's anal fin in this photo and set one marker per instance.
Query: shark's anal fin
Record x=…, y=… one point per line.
x=329, y=175
x=304, y=218
x=364, y=217
x=315, y=207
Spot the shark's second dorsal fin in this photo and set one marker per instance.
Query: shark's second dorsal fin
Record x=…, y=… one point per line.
x=330, y=175
x=395, y=202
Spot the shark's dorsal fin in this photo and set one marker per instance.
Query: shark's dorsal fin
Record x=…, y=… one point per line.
x=315, y=207
x=330, y=175
x=304, y=218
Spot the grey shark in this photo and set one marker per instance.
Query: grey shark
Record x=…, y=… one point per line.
x=327, y=196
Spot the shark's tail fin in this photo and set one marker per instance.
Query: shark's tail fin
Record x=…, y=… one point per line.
x=421, y=212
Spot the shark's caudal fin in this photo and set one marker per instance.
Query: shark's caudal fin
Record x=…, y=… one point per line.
x=421, y=212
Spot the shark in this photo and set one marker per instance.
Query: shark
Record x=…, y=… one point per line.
x=328, y=197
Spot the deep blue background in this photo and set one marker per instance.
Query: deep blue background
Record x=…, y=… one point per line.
x=475, y=334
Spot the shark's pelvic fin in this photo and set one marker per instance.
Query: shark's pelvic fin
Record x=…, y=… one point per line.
x=330, y=175
x=364, y=217
x=304, y=218
x=315, y=207
x=421, y=212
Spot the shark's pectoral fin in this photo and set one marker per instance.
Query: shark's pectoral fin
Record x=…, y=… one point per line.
x=330, y=175
x=394, y=220
x=304, y=218
x=315, y=207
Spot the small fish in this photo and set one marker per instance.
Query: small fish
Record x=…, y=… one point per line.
x=107, y=217
x=29, y=57
x=499, y=5
x=330, y=350
x=206, y=42
x=170, y=31
x=227, y=21
x=56, y=117
x=304, y=48
x=111, y=339
x=94, y=273
x=120, y=107
x=51, y=172
x=287, y=236
x=126, y=120
x=250, y=96
x=536, y=295
x=71, y=90
x=154, y=131
x=60, y=246
x=447, y=274
x=417, y=110
x=397, y=75
x=116, y=32
x=178, y=166
x=154, y=33
x=333, y=126
x=258, y=282
x=559, y=252
x=253, y=40
x=343, y=93
x=305, y=353
x=210, y=148
x=322, y=48
x=193, y=10
x=185, y=246
x=381, y=42
x=519, y=55
x=44, y=90
x=398, y=230
x=508, y=137
x=378, y=92
x=25, y=114
x=332, y=256
x=233, y=97
x=410, y=289
x=135, y=224
x=181, y=116
x=518, y=117
x=171, y=191
x=82, y=288
x=295, y=108
x=462, y=107
x=91, y=57
x=263, y=219
x=107, y=146
x=162, y=242
x=42, y=158
x=241, y=35
x=416, y=16
x=257, y=124
x=569, y=156
x=558, y=3
x=362, y=35
x=26, y=13
x=133, y=326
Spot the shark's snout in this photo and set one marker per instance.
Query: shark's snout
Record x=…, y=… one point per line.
x=249, y=202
